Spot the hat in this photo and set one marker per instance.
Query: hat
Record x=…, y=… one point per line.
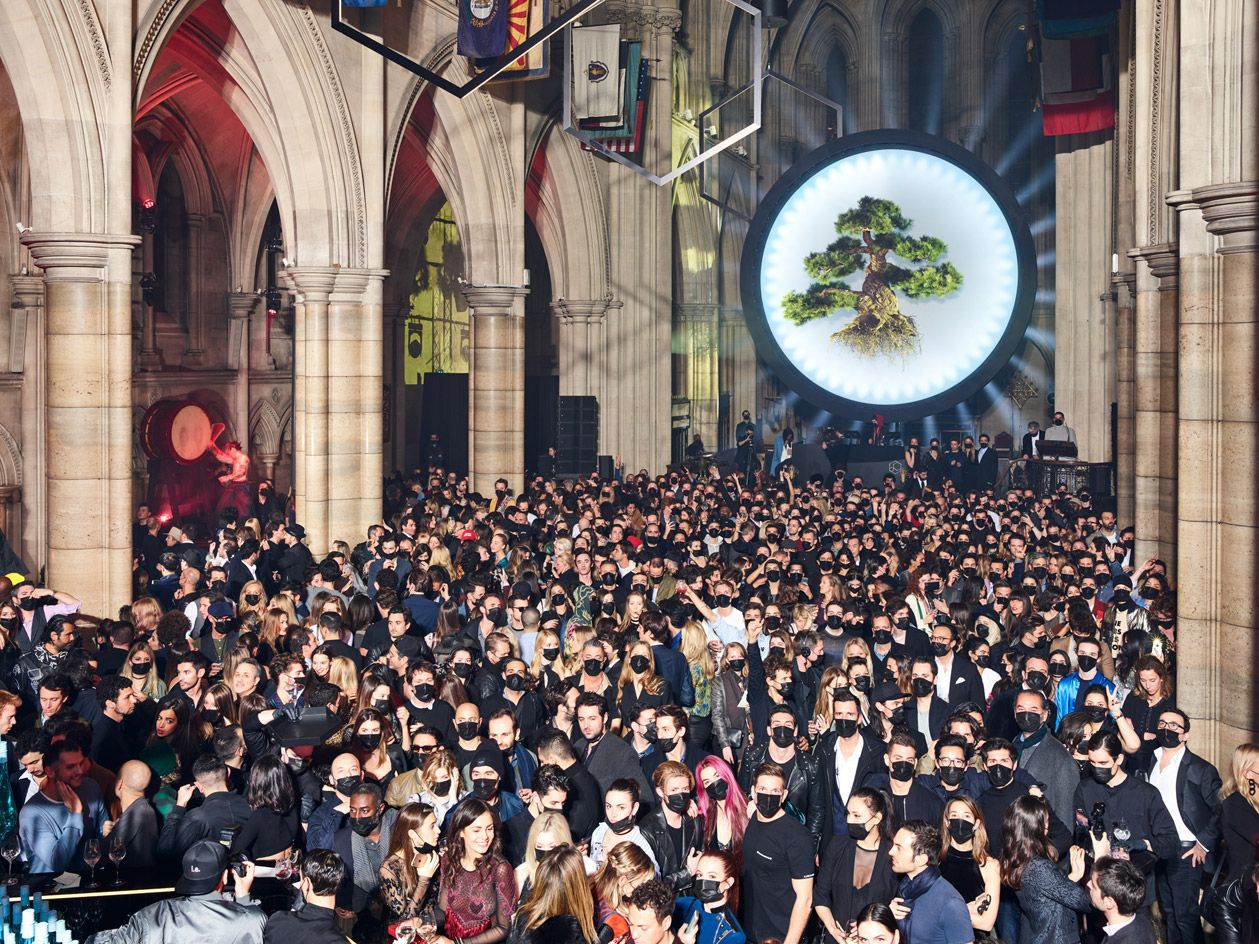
x=177, y=535
x=296, y=530
x=222, y=609
x=488, y=755
x=887, y=691
x=467, y=534
x=1123, y=580
x=407, y=646
x=204, y=864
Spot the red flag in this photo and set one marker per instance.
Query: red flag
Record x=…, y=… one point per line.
x=1080, y=117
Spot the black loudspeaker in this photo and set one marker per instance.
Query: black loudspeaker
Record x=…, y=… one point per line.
x=605, y=468
x=577, y=440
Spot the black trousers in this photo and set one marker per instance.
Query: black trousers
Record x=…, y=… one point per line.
x=1179, y=884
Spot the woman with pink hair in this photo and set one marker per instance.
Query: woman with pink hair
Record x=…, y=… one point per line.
x=721, y=805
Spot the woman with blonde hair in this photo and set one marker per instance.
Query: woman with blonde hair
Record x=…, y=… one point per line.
x=275, y=623
x=145, y=614
x=834, y=677
x=624, y=868
x=253, y=599
x=559, y=906
x=441, y=783
x=575, y=640
x=141, y=668
x=700, y=661
x=639, y=684
x=965, y=863
x=729, y=714
x=549, y=831
x=1240, y=811
x=547, y=666
x=635, y=604
x=343, y=674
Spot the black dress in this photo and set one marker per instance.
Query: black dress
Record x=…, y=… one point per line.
x=960, y=870
x=1241, y=834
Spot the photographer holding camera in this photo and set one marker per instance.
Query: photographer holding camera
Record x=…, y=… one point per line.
x=200, y=911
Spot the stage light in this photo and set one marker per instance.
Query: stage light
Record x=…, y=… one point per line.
x=149, y=203
x=23, y=229
x=164, y=517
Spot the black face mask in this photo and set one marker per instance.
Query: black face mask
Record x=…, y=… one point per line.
x=621, y=826
x=365, y=825
x=28, y=604
x=369, y=741
x=677, y=802
x=981, y=661
x=496, y=615
x=1037, y=679
x=902, y=770
x=834, y=622
x=515, y=683
x=212, y=716
x=861, y=683
x=484, y=787
x=786, y=691
x=768, y=804
x=1095, y=713
x=640, y=664
x=783, y=736
x=773, y=622
x=721, y=600
x=1103, y=774
x=970, y=573
x=1000, y=775
x=1168, y=738
x=463, y=669
x=345, y=785
x=859, y=831
x=708, y=890
x=1088, y=592
x=607, y=607
x=961, y=830
x=608, y=580
x=1087, y=663
x=1122, y=598
x=882, y=637
x=592, y=666
x=941, y=649
x=1027, y=721
x=441, y=788
x=736, y=665
x=717, y=790
x=845, y=727
x=931, y=588
x=922, y=687
x=557, y=599
x=1058, y=670
x=425, y=691
x=253, y=599
x=951, y=776
x=381, y=705
x=467, y=730
x=551, y=653
x=903, y=622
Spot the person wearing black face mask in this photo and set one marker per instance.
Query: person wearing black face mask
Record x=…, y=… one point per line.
x=856, y=869
x=716, y=880
x=804, y=779
x=847, y=758
x=525, y=706
x=966, y=864
x=1042, y=756
x=911, y=797
x=487, y=773
x=425, y=708
x=777, y=856
x=928, y=712
x=1087, y=653
x=363, y=841
x=675, y=837
x=1122, y=615
x=1132, y=812
x=1190, y=788
x=670, y=742
x=1034, y=671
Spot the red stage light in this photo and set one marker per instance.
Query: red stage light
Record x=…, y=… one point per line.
x=149, y=203
x=164, y=517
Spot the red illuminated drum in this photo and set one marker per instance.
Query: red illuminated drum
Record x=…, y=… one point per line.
x=175, y=429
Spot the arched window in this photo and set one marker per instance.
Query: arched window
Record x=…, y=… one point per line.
x=924, y=58
x=837, y=83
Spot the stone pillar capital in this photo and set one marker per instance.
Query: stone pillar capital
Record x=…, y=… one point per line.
x=580, y=310
x=28, y=291
x=696, y=311
x=324, y=284
x=81, y=257
x=240, y=305
x=657, y=19
x=493, y=299
x=1163, y=261
x=1231, y=211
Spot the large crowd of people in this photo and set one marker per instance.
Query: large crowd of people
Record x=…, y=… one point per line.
x=693, y=708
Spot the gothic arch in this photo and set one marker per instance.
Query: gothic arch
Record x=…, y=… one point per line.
x=268, y=427
x=898, y=18
x=10, y=459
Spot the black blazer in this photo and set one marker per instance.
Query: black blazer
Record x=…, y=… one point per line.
x=869, y=765
x=965, y=684
x=1198, y=798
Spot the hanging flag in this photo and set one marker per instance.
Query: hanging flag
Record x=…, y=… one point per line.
x=631, y=60
x=596, y=54
x=1074, y=70
x=525, y=19
x=1068, y=19
x=1095, y=114
x=482, y=28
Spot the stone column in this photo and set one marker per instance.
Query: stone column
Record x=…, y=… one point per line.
x=195, y=355
x=1156, y=340
x=1084, y=363
x=87, y=282
x=697, y=325
x=636, y=413
x=1125, y=396
x=496, y=386
x=240, y=309
x=337, y=402
x=28, y=300
x=581, y=346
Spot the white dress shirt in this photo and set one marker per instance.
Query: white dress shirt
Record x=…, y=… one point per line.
x=1164, y=780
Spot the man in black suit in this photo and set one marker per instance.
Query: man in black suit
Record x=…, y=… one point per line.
x=1190, y=788
x=985, y=464
x=606, y=756
x=846, y=760
x=243, y=567
x=584, y=807
x=957, y=678
x=1032, y=440
x=927, y=713
x=1117, y=890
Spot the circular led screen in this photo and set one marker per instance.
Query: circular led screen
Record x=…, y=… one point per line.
x=888, y=271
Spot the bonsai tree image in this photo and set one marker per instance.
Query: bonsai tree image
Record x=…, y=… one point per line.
x=868, y=233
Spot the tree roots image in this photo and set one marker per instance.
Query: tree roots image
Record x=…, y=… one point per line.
x=867, y=234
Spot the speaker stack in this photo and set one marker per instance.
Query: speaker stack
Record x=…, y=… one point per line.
x=578, y=439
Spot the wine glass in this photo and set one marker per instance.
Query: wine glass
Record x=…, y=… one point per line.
x=428, y=924
x=92, y=855
x=11, y=849
x=117, y=852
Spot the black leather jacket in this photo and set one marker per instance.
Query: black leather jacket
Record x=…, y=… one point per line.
x=672, y=870
x=804, y=787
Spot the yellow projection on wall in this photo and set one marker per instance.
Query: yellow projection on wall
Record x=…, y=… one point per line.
x=436, y=335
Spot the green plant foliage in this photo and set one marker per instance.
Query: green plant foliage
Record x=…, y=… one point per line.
x=867, y=233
